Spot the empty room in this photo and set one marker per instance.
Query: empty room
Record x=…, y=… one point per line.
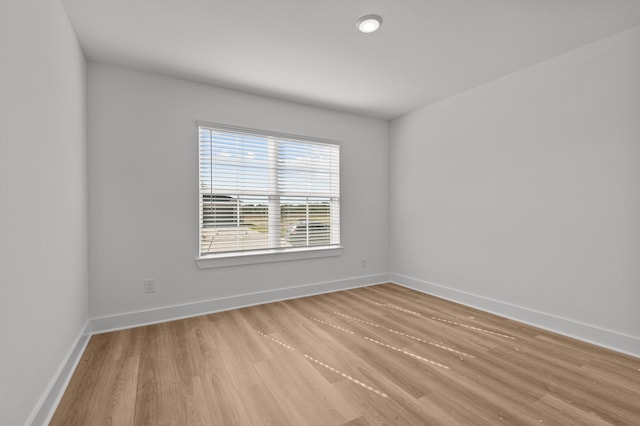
x=412, y=212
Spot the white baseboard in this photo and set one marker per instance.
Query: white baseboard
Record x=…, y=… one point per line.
x=602, y=337
x=43, y=411
x=170, y=313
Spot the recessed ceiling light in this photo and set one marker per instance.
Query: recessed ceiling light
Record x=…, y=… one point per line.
x=369, y=23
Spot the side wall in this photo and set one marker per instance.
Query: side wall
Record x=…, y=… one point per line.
x=143, y=198
x=43, y=207
x=522, y=196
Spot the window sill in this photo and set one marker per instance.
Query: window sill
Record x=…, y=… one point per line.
x=266, y=256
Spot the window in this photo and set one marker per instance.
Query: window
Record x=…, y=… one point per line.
x=263, y=192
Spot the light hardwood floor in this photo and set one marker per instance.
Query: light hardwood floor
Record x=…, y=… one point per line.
x=376, y=355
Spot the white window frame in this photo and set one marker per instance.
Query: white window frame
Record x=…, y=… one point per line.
x=233, y=258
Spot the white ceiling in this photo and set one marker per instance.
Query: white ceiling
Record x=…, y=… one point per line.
x=309, y=51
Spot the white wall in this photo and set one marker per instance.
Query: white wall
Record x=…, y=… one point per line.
x=143, y=193
x=43, y=210
x=525, y=193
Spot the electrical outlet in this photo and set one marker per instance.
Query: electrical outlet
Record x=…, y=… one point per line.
x=363, y=262
x=150, y=285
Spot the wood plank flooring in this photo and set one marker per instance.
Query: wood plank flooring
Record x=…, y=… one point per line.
x=376, y=355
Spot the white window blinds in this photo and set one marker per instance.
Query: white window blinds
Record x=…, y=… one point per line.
x=261, y=191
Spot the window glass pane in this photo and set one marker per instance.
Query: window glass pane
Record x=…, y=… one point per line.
x=306, y=221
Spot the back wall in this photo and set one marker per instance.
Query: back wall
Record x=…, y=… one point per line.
x=143, y=198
